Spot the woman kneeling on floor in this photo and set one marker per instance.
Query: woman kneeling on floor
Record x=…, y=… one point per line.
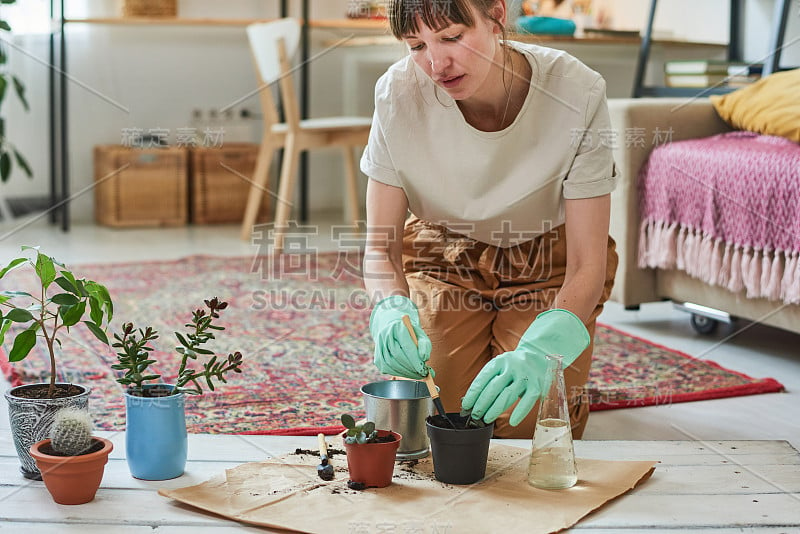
x=494, y=146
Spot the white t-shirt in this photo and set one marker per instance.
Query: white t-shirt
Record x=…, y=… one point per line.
x=505, y=187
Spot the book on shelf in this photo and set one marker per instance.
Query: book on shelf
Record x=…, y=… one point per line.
x=742, y=81
x=696, y=66
x=744, y=69
x=711, y=66
x=708, y=80
x=694, y=80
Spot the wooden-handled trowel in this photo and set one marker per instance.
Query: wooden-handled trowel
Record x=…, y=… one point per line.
x=434, y=392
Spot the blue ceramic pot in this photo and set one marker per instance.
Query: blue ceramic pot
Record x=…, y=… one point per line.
x=155, y=435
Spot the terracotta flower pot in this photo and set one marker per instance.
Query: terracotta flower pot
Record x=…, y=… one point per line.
x=72, y=479
x=372, y=464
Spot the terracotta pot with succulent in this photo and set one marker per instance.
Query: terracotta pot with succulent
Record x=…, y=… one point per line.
x=370, y=453
x=44, y=316
x=72, y=461
x=155, y=437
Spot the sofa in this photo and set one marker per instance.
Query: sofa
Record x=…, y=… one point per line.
x=668, y=120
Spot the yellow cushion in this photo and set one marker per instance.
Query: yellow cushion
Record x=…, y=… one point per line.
x=770, y=106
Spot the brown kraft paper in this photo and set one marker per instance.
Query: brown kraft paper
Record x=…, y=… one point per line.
x=286, y=493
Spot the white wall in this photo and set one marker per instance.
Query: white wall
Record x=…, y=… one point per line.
x=707, y=22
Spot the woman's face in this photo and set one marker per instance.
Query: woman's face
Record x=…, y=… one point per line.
x=459, y=59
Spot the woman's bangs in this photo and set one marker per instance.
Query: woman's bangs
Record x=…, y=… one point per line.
x=405, y=16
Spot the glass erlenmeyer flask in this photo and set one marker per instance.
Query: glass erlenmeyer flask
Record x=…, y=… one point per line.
x=552, y=464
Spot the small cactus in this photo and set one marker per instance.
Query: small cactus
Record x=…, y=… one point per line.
x=71, y=433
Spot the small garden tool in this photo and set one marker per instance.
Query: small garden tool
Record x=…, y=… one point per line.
x=324, y=469
x=434, y=392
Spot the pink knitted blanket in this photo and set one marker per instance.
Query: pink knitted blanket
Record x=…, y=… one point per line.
x=725, y=209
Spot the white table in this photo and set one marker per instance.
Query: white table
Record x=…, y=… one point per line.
x=719, y=486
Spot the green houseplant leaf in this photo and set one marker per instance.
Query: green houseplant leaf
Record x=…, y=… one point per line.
x=23, y=163
x=71, y=315
x=5, y=166
x=13, y=264
x=23, y=344
x=20, y=89
x=6, y=79
x=19, y=315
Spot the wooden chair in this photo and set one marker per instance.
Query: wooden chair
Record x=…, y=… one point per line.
x=272, y=44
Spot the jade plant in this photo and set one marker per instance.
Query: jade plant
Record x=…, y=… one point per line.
x=71, y=433
x=135, y=353
x=60, y=302
x=359, y=432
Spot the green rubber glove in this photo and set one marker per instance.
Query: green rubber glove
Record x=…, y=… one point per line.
x=517, y=374
x=395, y=350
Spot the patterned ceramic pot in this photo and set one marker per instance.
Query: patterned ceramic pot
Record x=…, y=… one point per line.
x=31, y=419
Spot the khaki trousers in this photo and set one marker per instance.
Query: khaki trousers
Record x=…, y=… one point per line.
x=476, y=300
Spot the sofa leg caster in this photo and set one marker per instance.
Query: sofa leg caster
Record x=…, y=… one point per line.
x=704, y=325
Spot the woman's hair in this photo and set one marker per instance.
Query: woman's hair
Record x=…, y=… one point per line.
x=406, y=15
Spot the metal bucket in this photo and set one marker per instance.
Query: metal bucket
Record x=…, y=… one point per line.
x=402, y=406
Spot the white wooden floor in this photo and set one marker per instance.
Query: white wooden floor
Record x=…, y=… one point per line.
x=710, y=487
x=757, y=351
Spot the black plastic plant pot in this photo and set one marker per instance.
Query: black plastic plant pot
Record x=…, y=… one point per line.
x=460, y=454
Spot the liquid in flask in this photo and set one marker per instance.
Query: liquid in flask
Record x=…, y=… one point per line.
x=552, y=463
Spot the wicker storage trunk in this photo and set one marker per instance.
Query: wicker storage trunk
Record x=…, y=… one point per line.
x=140, y=186
x=150, y=8
x=220, y=183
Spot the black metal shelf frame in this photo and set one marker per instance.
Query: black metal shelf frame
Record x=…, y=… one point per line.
x=735, y=50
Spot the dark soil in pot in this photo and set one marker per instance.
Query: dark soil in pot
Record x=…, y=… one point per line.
x=39, y=391
x=385, y=439
x=96, y=446
x=461, y=423
x=158, y=390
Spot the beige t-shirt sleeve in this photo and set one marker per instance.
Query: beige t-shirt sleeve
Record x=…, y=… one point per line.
x=593, y=173
x=376, y=161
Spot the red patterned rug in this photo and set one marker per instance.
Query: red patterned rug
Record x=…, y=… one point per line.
x=302, y=325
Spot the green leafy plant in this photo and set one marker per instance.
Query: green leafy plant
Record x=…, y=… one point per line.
x=359, y=433
x=71, y=433
x=7, y=79
x=135, y=353
x=50, y=312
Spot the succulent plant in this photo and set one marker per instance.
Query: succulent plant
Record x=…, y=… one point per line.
x=135, y=354
x=71, y=433
x=359, y=433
